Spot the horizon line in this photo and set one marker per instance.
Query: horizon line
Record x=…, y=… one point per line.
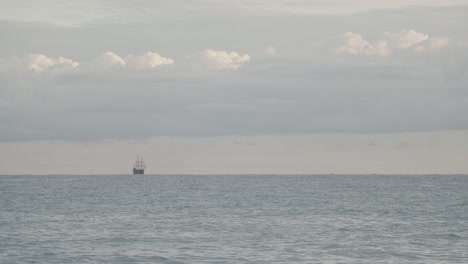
x=248, y=174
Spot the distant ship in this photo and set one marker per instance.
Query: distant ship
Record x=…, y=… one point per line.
x=139, y=166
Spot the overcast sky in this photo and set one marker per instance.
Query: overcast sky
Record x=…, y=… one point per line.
x=205, y=86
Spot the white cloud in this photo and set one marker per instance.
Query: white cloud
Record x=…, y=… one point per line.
x=207, y=60
x=220, y=60
x=107, y=61
x=355, y=44
x=38, y=63
x=110, y=61
x=148, y=60
x=419, y=42
x=407, y=38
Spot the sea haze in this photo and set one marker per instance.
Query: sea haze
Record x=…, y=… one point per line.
x=234, y=219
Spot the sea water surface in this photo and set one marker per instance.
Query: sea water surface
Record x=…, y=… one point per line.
x=234, y=219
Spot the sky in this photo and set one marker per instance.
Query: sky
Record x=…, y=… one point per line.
x=234, y=87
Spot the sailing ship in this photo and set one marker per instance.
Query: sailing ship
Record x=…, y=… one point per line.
x=139, y=166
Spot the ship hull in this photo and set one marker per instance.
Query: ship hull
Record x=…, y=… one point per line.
x=137, y=171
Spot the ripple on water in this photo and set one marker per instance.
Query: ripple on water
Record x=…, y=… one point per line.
x=233, y=219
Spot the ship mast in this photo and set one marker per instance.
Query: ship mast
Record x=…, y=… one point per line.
x=142, y=164
x=139, y=163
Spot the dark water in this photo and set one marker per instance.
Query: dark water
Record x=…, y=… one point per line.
x=234, y=219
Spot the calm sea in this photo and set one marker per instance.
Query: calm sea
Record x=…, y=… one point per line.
x=234, y=219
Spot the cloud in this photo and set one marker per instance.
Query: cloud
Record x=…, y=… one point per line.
x=148, y=60
x=415, y=79
x=38, y=63
x=355, y=44
x=419, y=42
x=206, y=60
x=110, y=61
x=289, y=94
x=220, y=60
x=407, y=38
x=107, y=61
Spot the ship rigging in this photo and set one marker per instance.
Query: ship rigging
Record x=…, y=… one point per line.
x=139, y=166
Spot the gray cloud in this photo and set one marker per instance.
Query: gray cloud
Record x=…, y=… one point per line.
x=206, y=73
x=273, y=96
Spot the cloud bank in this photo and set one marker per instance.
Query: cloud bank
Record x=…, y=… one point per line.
x=108, y=61
x=406, y=39
x=206, y=60
x=398, y=81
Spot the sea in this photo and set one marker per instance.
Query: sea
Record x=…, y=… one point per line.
x=234, y=219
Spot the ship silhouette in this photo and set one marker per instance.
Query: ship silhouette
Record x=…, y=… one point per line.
x=139, y=166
